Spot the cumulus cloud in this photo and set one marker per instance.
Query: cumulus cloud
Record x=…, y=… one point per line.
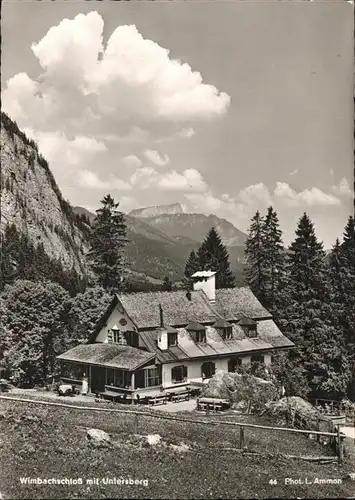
x=132, y=161
x=240, y=208
x=56, y=147
x=190, y=180
x=90, y=98
x=143, y=177
x=255, y=194
x=187, y=132
x=132, y=78
x=156, y=158
x=343, y=188
x=91, y=180
x=310, y=197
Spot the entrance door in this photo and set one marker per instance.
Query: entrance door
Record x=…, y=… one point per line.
x=98, y=378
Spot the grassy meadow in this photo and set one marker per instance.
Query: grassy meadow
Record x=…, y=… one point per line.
x=45, y=442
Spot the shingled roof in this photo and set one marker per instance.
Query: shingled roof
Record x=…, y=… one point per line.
x=178, y=310
x=110, y=355
x=269, y=337
x=237, y=303
x=221, y=323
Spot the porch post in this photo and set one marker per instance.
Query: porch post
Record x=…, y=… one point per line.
x=133, y=381
x=89, y=379
x=133, y=386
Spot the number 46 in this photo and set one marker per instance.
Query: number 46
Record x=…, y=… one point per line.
x=273, y=481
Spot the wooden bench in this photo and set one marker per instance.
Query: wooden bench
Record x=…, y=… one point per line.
x=209, y=407
x=113, y=396
x=181, y=396
x=157, y=400
x=211, y=404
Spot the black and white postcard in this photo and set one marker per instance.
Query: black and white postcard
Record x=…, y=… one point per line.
x=177, y=272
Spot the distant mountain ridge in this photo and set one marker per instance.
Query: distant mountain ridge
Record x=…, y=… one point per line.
x=160, y=245
x=195, y=226
x=172, y=209
x=160, y=240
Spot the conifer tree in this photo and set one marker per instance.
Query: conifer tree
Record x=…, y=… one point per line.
x=109, y=237
x=254, y=272
x=308, y=318
x=192, y=265
x=348, y=245
x=272, y=262
x=347, y=276
x=213, y=255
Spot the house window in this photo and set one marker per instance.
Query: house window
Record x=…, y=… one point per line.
x=131, y=338
x=172, y=339
x=179, y=374
x=152, y=377
x=208, y=369
x=114, y=336
x=251, y=332
x=234, y=363
x=73, y=371
x=227, y=333
x=257, y=358
x=118, y=378
x=200, y=336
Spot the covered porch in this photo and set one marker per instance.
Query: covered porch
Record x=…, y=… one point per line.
x=110, y=370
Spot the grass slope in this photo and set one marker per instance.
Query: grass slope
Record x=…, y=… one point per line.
x=45, y=442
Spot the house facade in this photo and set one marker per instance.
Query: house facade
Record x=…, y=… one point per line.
x=149, y=343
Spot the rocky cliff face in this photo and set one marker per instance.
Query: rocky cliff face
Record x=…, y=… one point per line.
x=174, y=208
x=32, y=201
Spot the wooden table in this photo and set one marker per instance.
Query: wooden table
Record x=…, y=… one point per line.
x=213, y=404
x=154, y=400
x=180, y=396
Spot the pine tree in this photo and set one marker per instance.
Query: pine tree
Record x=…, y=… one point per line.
x=308, y=318
x=272, y=263
x=109, y=237
x=167, y=284
x=254, y=272
x=348, y=245
x=347, y=277
x=213, y=255
x=192, y=266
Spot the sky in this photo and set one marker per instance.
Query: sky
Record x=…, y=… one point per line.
x=226, y=108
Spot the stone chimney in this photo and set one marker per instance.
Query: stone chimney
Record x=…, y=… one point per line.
x=163, y=334
x=206, y=281
x=161, y=316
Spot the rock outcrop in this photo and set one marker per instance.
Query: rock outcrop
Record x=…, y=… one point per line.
x=296, y=412
x=246, y=392
x=32, y=201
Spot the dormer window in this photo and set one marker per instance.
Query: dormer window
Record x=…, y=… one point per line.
x=224, y=328
x=200, y=336
x=249, y=327
x=172, y=337
x=114, y=335
x=131, y=338
x=197, y=331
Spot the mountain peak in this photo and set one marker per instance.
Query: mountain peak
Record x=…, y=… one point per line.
x=172, y=209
